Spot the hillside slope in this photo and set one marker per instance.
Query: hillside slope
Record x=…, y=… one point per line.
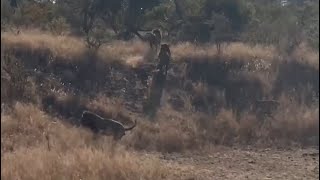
x=210, y=101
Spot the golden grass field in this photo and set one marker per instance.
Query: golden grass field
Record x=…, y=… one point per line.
x=40, y=142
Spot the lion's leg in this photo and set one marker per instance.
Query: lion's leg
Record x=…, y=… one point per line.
x=166, y=69
x=117, y=136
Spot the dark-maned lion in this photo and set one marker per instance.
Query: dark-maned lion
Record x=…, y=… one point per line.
x=107, y=127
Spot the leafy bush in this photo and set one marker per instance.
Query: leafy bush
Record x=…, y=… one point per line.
x=285, y=27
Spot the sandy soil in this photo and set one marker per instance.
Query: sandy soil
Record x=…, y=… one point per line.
x=228, y=163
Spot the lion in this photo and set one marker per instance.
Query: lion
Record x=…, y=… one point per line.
x=154, y=38
x=107, y=127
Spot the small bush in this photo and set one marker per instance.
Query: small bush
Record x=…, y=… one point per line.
x=59, y=26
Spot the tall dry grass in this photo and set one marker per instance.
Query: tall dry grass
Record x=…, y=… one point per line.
x=69, y=153
x=72, y=48
x=81, y=163
x=36, y=128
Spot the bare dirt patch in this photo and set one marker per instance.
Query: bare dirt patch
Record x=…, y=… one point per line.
x=238, y=163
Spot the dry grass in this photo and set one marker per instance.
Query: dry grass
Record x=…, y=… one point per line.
x=232, y=51
x=172, y=132
x=73, y=153
x=306, y=55
x=114, y=107
x=71, y=48
x=27, y=126
x=291, y=123
x=60, y=46
x=295, y=121
x=81, y=163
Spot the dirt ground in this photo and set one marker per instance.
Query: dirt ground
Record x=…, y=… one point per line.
x=236, y=163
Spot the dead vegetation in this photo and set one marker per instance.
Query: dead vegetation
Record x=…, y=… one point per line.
x=47, y=81
x=73, y=153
